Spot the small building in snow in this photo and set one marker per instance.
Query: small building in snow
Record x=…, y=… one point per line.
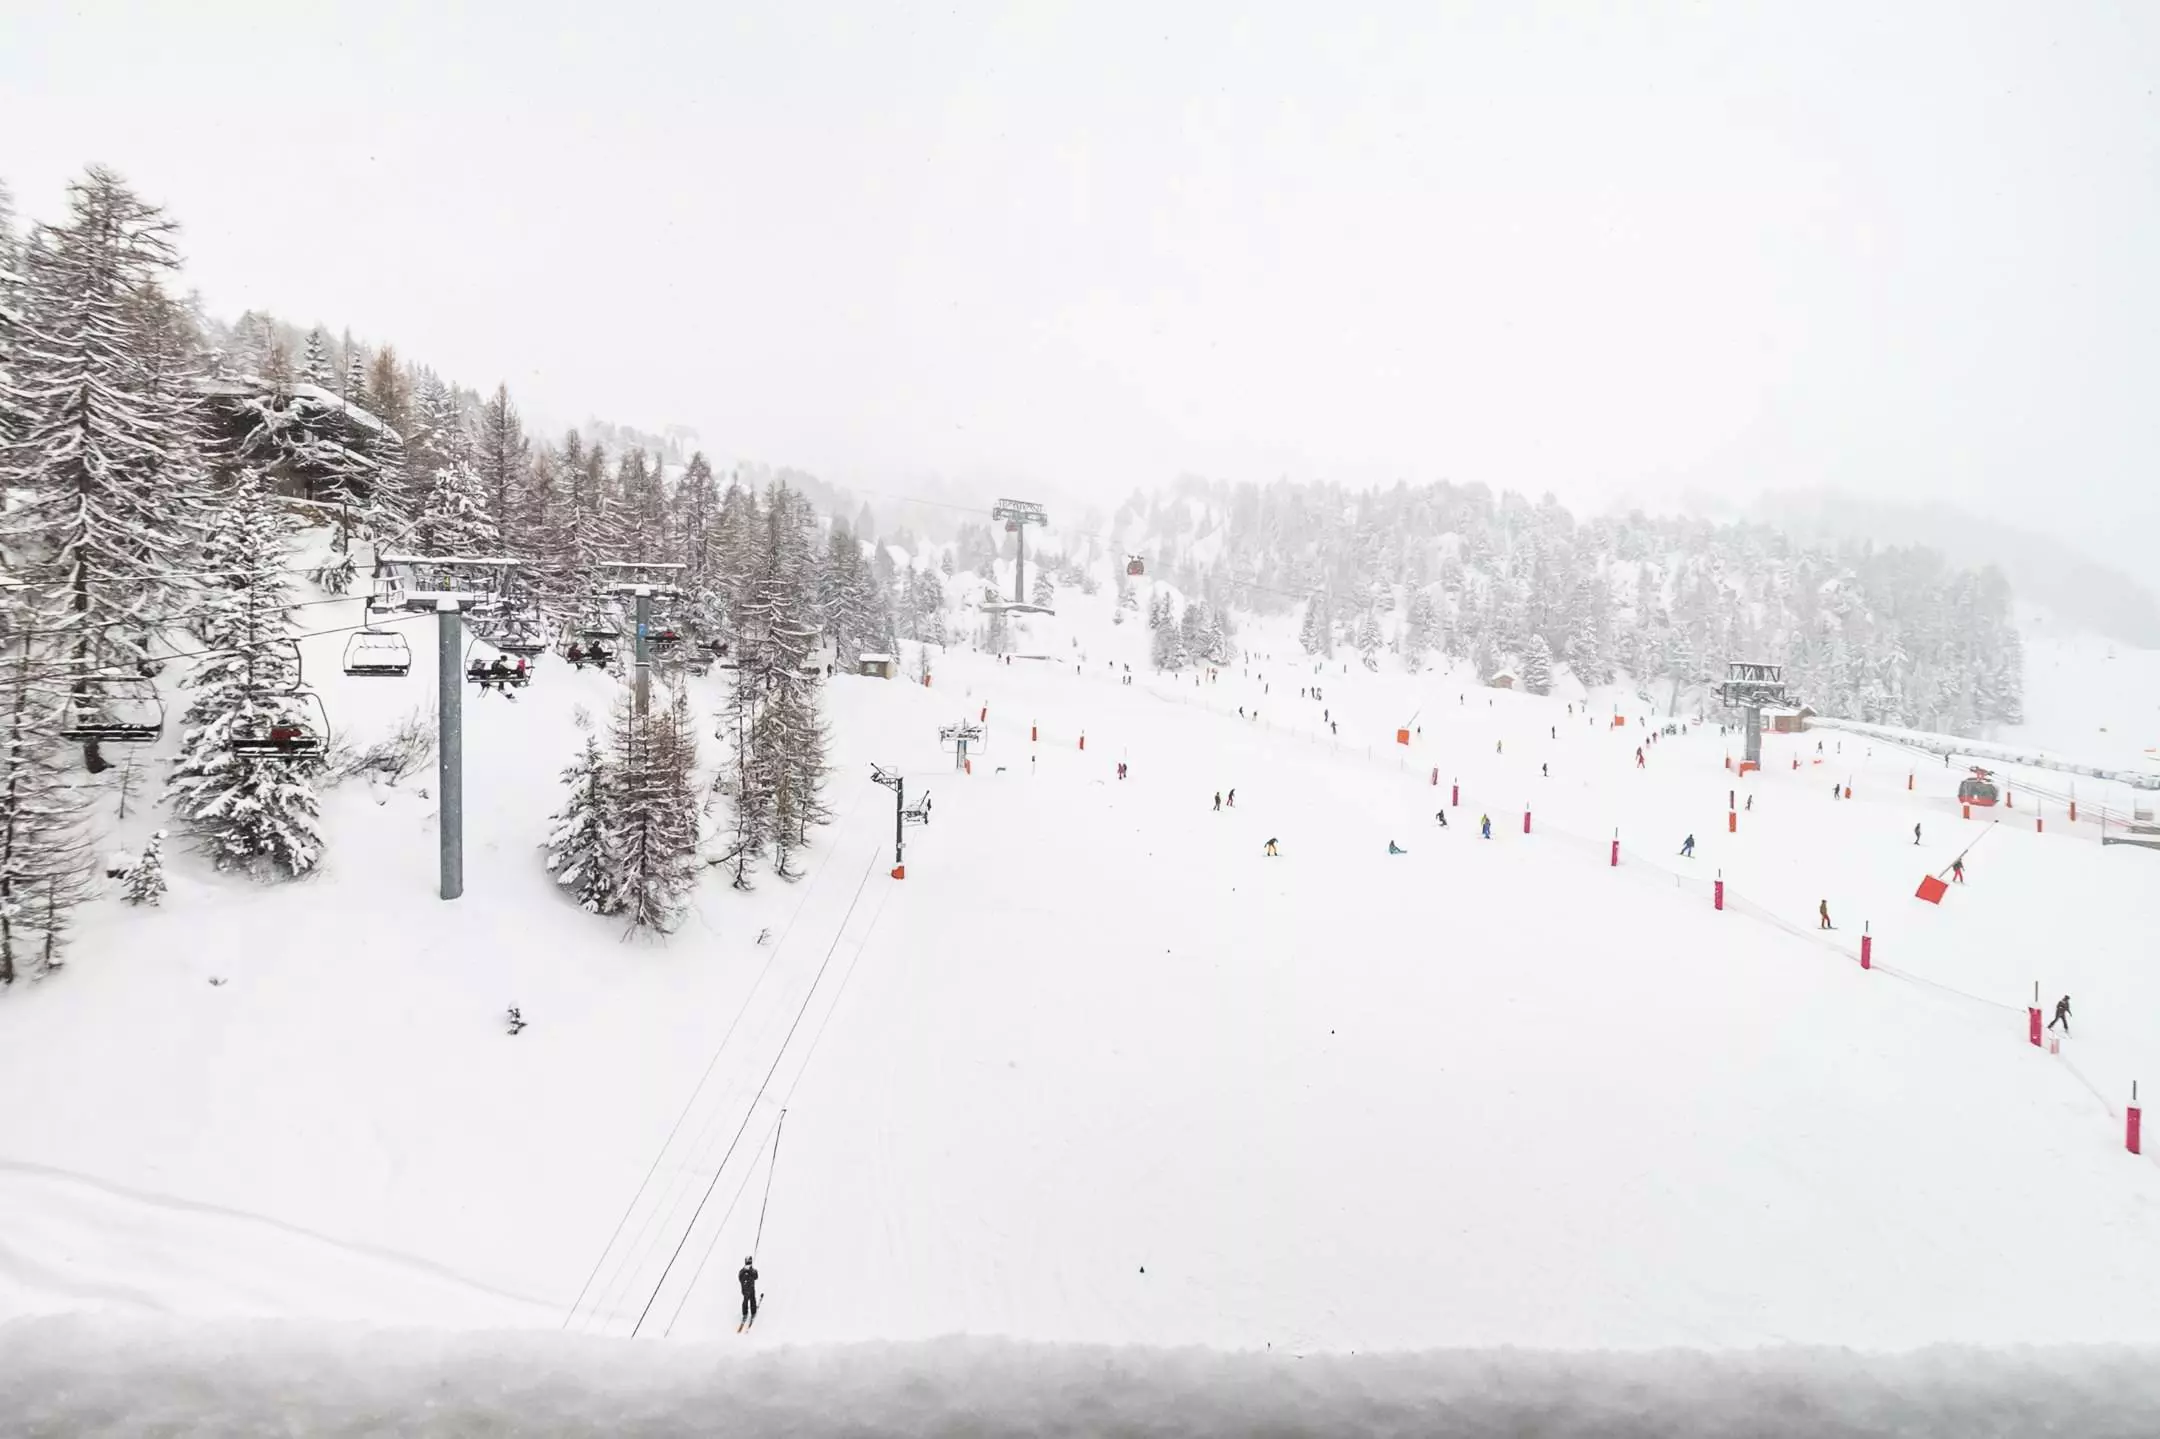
x=1783, y=719
x=1504, y=680
x=880, y=667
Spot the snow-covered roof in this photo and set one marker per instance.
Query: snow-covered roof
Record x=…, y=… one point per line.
x=1505, y=675
x=877, y=659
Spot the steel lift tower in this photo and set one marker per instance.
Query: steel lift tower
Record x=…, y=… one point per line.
x=1747, y=688
x=1018, y=515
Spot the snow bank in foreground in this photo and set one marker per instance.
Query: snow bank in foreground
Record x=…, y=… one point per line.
x=83, y=1376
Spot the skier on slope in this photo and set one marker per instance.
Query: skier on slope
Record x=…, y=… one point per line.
x=747, y=1278
x=1233, y=799
x=1485, y=825
x=1751, y=801
x=1687, y=846
x=1394, y=848
x=1957, y=869
x=1916, y=834
x=1218, y=801
x=2062, y=1014
x=1441, y=815
x=1270, y=850
x=1823, y=909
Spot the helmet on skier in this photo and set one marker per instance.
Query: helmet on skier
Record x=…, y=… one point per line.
x=746, y=1259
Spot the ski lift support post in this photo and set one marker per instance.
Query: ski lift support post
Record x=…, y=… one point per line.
x=902, y=815
x=1018, y=515
x=959, y=736
x=1748, y=687
x=449, y=607
x=641, y=580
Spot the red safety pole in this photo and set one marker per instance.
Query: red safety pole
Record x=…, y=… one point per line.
x=1526, y=819
x=1717, y=892
x=1083, y=739
x=1867, y=948
x=1908, y=779
x=1616, y=849
x=1732, y=821
x=2032, y=1017
x=2131, y=1123
x=1454, y=796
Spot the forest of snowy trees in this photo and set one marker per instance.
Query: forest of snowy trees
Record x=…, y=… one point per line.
x=1893, y=636
x=152, y=457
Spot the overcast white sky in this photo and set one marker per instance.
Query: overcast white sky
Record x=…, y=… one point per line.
x=1602, y=249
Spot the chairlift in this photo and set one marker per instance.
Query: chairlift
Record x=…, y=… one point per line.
x=1134, y=565
x=280, y=652
x=112, y=709
x=484, y=675
x=301, y=736
x=378, y=652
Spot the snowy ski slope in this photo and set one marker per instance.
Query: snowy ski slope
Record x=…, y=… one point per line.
x=1097, y=1070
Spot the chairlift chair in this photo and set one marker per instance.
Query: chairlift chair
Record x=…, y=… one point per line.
x=1134, y=565
x=482, y=674
x=306, y=737
x=113, y=709
x=383, y=653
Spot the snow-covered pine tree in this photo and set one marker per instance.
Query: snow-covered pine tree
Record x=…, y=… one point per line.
x=503, y=460
x=693, y=524
x=652, y=816
x=454, y=517
x=579, y=843
x=788, y=737
x=1537, y=666
x=1045, y=592
x=1368, y=639
x=315, y=368
x=102, y=466
x=44, y=854
x=250, y=812
x=146, y=879
x=1316, y=632
x=1421, y=629
x=749, y=787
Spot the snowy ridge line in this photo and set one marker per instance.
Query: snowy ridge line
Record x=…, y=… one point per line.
x=634, y=1257
x=751, y=1110
x=82, y=1375
x=786, y=1100
x=1954, y=745
x=177, y=1204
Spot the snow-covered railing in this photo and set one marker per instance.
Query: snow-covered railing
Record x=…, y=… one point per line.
x=1955, y=745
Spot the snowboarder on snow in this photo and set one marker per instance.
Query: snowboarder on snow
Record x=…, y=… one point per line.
x=1916, y=834
x=1233, y=799
x=1751, y=801
x=1485, y=825
x=1687, y=846
x=1271, y=850
x=1823, y=909
x=747, y=1278
x=1546, y=770
x=1441, y=815
x=2062, y=1014
x=1394, y=848
x=1218, y=801
x=1957, y=870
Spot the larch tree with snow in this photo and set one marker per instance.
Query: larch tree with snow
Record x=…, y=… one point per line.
x=780, y=631
x=44, y=852
x=652, y=814
x=146, y=877
x=254, y=813
x=502, y=458
x=102, y=467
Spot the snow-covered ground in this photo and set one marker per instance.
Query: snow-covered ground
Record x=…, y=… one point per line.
x=1098, y=1071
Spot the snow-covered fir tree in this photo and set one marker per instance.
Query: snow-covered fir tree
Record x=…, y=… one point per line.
x=1045, y=591
x=454, y=517
x=1537, y=674
x=146, y=877
x=579, y=852
x=779, y=629
x=748, y=786
x=250, y=812
x=315, y=366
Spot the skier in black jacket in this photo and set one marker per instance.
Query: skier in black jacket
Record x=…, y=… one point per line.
x=747, y=1277
x=2062, y=1014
